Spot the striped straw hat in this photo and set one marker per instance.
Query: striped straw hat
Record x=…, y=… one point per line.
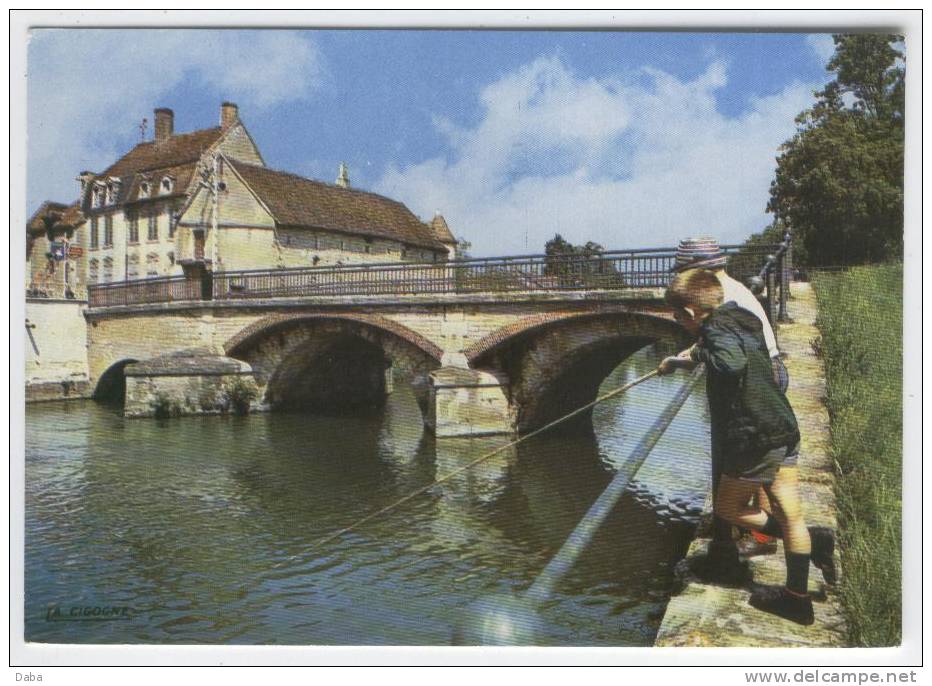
x=695, y=253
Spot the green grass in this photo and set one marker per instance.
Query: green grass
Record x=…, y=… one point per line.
x=861, y=325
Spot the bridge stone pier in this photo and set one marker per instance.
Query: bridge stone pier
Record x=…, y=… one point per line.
x=478, y=363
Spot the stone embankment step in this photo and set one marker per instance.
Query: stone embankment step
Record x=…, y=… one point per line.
x=709, y=615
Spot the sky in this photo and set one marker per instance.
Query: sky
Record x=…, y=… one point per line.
x=626, y=139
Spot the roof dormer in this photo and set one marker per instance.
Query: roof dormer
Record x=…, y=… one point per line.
x=97, y=194
x=167, y=185
x=112, y=190
x=84, y=179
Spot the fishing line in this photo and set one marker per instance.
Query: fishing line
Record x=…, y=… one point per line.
x=482, y=458
x=514, y=620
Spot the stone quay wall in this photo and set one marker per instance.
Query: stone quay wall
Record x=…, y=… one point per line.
x=56, y=350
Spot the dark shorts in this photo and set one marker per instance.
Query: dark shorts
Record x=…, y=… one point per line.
x=761, y=469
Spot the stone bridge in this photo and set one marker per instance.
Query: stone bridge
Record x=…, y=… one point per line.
x=480, y=363
x=488, y=346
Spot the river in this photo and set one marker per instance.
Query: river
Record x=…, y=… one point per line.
x=203, y=526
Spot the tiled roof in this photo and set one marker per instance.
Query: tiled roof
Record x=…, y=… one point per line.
x=177, y=156
x=181, y=175
x=177, y=150
x=441, y=231
x=73, y=216
x=299, y=202
x=57, y=214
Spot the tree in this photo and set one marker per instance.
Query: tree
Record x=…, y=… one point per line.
x=579, y=263
x=749, y=260
x=839, y=180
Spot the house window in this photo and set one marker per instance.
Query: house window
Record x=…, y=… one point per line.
x=404, y=253
x=111, y=194
x=108, y=231
x=171, y=258
x=168, y=183
x=152, y=264
x=97, y=195
x=153, y=227
x=108, y=269
x=132, y=267
x=93, y=271
x=94, y=236
x=134, y=229
x=145, y=189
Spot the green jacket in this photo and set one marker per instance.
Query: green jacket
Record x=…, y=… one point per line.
x=749, y=413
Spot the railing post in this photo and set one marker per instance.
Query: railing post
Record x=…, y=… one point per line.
x=769, y=292
x=784, y=279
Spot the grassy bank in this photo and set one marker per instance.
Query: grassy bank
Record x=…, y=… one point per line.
x=861, y=323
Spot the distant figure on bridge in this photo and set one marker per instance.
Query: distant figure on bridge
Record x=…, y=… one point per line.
x=757, y=435
x=722, y=562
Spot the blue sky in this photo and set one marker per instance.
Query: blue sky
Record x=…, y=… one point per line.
x=629, y=139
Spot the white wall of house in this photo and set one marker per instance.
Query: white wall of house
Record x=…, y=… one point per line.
x=238, y=145
x=149, y=255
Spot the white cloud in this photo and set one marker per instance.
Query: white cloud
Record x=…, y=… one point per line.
x=76, y=76
x=626, y=162
x=822, y=44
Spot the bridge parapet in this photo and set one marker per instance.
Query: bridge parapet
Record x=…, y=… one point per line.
x=605, y=271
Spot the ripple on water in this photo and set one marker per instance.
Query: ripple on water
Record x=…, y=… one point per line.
x=208, y=527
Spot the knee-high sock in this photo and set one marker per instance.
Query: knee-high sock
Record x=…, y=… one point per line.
x=721, y=530
x=797, y=572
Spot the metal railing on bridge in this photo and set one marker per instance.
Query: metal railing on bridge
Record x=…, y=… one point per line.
x=609, y=270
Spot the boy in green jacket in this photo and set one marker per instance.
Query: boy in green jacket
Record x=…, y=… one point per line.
x=756, y=428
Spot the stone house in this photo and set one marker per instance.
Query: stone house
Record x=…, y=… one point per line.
x=131, y=206
x=55, y=267
x=125, y=225
x=268, y=219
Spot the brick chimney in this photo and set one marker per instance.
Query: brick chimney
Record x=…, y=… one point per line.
x=229, y=115
x=164, y=124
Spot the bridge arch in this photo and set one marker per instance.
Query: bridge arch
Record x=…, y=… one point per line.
x=555, y=362
x=111, y=385
x=333, y=361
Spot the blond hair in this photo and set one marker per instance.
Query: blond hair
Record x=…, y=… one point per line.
x=695, y=288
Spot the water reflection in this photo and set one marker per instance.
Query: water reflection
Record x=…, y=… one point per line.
x=207, y=527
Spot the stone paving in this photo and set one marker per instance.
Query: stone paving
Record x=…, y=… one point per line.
x=709, y=615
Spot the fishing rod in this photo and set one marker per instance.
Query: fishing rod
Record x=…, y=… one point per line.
x=482, y=458
x=514, y=620
x=584, y=532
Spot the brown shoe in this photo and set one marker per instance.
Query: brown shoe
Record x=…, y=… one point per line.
x=783, y=603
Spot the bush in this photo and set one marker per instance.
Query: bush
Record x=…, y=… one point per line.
x=164, y=407
x=210, y=400
x=861, y=319
x=242, y=391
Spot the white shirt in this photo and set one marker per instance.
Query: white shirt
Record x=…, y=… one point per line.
x=738, y=293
